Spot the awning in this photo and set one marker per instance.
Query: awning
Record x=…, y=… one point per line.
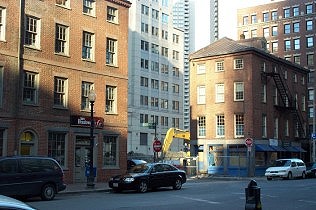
x=263, y=147
x=278, y=148
x=295, y=149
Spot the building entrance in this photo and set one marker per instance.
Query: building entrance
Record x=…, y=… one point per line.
x=82, y=154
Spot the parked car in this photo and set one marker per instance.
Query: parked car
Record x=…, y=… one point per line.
x=149, y=176
x=287, y=169
x=133, y=162
x=26, y=176
x=11, y=203
x=311, y=169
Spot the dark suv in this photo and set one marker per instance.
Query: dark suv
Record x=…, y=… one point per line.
x=27, y=176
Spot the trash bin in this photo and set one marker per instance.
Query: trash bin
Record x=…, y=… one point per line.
x=253, y=201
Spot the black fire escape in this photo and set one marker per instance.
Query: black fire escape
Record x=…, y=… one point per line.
x=289, y=104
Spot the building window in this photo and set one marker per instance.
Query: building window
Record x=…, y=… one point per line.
x=286, y=132
x=287, y=28
x=144, y=81
x=264, y=94
x=246, y=34
x=164, y=34
x=201, y=69
x=275, y=96
x=219, y=66
x=274, y=15
x=154, y=102
x=32, y=32
x=239, y=91
x=238, y=63
x=201, y=95
x=164, y=18
x=111, y=51
x=164, y=121
x=175, y=38
x=164, y=51
x=286, y=13
x=264, y=126
x=145, y=10
x=89, y=7
x=64, y=3
x=164, y=103
x=275, y=47
x=111, y=99
x=220, y=93
x=276, y=128
x=175, y=122
x=164, y=69
x=303, y=103
x=144, y=27
x=245, y=20
x=144, y=45
x=254, y=33
x=309, y=42
x=239, y=125
x=155, y=14
x=154, y=48
x=61, y=39
x=143, y=118
x=175, y=88
x=175, y=71
x=143, y=139
x=309, y=8
x=164, y=86
x=309, y=25
x=60, y=94
x=154, y=31
x=310, y=59
x=2, y=23
x=220, y=126
x=88, y=46
x=287, y=45
x=30, y=88
x=266, y=32
x=175, y=106
x=1, y=91
x=85, y=90
x=201, y=126
x=297, y=59
x=143, y=100
x=253, y=19
x=144, y=64
x=2, y=152
x=296, y=11
x=310, y=112
x=175, y=55
x=57, y=147
x=297, y=44
x=154, y=84
x=274, y=30
x=296, y=27
x=265, y=17
x=110, y=151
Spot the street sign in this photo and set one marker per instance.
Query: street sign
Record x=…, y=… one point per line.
x=248, y=142
x=157, y=145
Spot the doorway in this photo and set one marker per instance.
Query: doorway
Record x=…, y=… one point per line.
x=82, y=154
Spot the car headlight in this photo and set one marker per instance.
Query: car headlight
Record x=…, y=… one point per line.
x=129, y=179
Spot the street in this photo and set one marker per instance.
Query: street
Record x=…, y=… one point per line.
x=196, y=194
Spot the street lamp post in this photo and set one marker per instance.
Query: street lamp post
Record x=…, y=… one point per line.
x=90, y=178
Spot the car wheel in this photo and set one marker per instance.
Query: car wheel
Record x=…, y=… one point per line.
x=314, y=174
x=177, y=184
x=142, y=187
x=303, y=175
x=269, y=178
x=289, y=175
x=48, y=192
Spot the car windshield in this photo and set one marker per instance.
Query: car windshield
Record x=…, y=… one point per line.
x=279, y=163
x=142, y=168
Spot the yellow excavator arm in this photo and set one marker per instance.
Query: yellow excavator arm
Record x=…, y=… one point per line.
x=173, y=133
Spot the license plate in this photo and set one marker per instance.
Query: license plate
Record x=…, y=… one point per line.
x=115, y=184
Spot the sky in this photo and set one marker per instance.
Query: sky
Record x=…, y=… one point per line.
x=227, y=19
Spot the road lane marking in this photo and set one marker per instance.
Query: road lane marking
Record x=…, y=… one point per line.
x=198, y=199
x=307, y=201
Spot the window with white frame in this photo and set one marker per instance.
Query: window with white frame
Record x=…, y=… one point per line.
x=287, y=45
x=175, y=38
x=111, y=51
x=111, y=100
x=144, y=63
x=155, y=31
x=275, y=46
x=276, y=128
x=239, y=91
x=201, y=95
x=164, y=86
x=164, y=51
x=155, y=14
x=144, y=27
x=144, y=45
x=239, y=125
x=309, y=42
x=266, y=32
x=88, y=46
x=309, y=8
x=62, y=39
x=310, y=59
x=164, y=18
x=175, y=88
x=286, y=130
x=57, y=147
x=219, y=66
x=164, y=121
x=274, y=30
x=164, y=34
x=287, y=28
x=164, y=68
x=296, y=27
x=1, y=86
x=274, y=15
x=175, y=55
x=32, y=31
x=154, y=102
x=175, y=71
x=264, y=93
x=296, y=11
x=297, y=59
x=112, y=14
x=175, y=122
x=89, y=7
x=286, y=12
x=201, y=69
x=264, y=126
x=144, y=81
x=164, y=103
x=254, y=33
x=143, y=100
x=86, y=87
x=60, y=92
x=110, y=151
x=310, y=112
x=275, y=96
x=201, y=126
x=309, y=25
x=2, y=22
x=145, y=10
x=143, y=118
x=265, y=17
x=219, y=93
x=30, y=87
x=220, y=125
x=311, y=94
x=154, y=48
x=154, y=84
x=303, y=103
x=175, y=106
x=238, y=63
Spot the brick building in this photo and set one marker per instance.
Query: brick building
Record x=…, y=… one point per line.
x=240, y=91
x=289, y=28
x=52, y=54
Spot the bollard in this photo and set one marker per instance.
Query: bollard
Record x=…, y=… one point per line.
x=253, y=201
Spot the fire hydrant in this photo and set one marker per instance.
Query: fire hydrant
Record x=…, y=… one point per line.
x=253, y=201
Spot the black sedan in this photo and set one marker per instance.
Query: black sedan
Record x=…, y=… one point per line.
x=149, y=176
x=311, y=169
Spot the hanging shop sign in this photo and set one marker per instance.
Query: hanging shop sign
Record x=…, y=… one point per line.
x=82, y=121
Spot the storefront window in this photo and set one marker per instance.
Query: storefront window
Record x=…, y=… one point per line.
x=110, y=151
x=237, y=155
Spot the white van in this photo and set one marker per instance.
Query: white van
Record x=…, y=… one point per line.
x=287, y=169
